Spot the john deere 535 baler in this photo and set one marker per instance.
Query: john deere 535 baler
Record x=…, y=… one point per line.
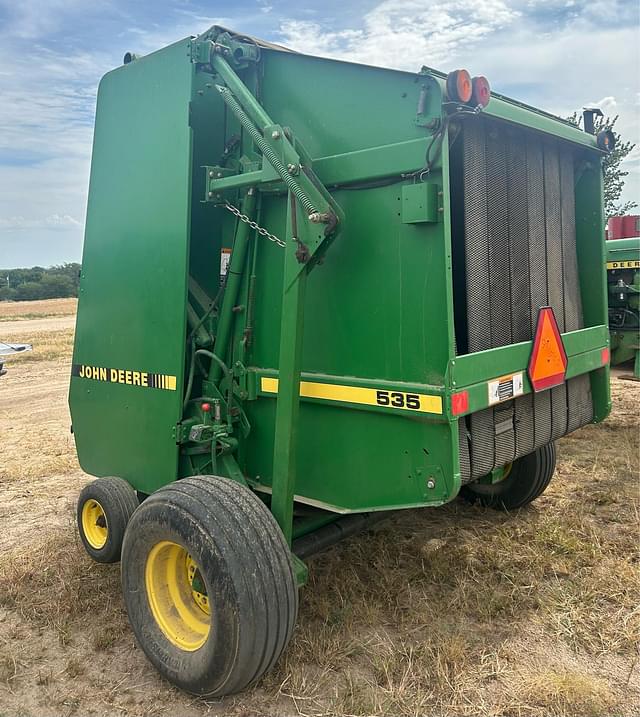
x=313, y=292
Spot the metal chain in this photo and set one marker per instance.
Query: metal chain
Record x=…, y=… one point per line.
x=244, y=218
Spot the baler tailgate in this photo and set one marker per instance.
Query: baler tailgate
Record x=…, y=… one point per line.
x=518, y=222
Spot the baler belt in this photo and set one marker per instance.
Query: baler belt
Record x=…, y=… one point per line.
x=520, y=255
x=536, y=273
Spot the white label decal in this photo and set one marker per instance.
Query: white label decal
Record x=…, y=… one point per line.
x=505, y=388
x=225, y=256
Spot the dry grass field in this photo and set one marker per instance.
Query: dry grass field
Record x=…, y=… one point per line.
x=26, y=310
x=454, y=611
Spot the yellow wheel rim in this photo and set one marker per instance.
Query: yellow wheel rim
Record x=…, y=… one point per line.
x=94, y=524
x=177, y=596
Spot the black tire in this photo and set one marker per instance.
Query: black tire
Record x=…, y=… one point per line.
x=528, y=478
x=116, y=501
x=245, y=566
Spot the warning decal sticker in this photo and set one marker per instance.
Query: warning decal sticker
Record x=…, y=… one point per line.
x=505, y=388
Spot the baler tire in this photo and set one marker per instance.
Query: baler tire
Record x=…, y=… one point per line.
x=113, y=501
x=527, y=480
x=242, y=561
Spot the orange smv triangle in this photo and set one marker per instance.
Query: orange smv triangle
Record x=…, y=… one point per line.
x=548, y=362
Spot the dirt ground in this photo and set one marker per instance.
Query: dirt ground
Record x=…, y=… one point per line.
x=454, y=611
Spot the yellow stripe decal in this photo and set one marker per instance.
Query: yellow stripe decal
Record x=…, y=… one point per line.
x=418, y=402
x=624, y=264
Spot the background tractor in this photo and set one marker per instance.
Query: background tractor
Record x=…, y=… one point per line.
x=623, y=280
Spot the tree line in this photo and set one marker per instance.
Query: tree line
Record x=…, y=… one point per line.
x=54, y=282
x=614, y=175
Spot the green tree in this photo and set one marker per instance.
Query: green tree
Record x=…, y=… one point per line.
x=56, y=286
x=39, y=283
x=7, y=293
x=614, y=175
x=29, y=291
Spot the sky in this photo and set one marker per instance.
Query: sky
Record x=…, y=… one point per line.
x=559, y=55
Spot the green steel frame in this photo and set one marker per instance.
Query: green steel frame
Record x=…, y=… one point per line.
x=324, y=378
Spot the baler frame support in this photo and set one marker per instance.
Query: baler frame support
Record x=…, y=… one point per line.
x=284, y=160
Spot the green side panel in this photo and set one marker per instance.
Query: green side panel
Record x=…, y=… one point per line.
x=131, y=311
x=379, y=307
x=380, y=304
x=590, y=246
x=351, y=107
x=351, y=460
x=623, y=249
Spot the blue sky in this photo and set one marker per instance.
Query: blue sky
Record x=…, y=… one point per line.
x=558, y=55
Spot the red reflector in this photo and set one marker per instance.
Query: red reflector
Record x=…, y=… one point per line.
x=459, y=403
x=206, y=407
x=605, y=356
x=548, y=362
x=459, y=87
x=481, y=91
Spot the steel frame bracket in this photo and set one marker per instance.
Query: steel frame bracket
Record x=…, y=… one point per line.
x=180, y=432
x=232, y=469
x=313, y=220
x=429, y=109
x=300, y=569
x=217, y=172
x=238, y=50
x=284, y=160
x=200, y=51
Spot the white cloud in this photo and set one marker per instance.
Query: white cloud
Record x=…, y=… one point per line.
x=52, y=56
x=35, y=19
x=403, y=34
x=578, y=65
x=45, y=141
x=148, y=39
x=54, y=221
x=553, y=54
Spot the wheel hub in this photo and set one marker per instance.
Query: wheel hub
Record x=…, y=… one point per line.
x=177, y=596
x=94, y=524
x=198, y=588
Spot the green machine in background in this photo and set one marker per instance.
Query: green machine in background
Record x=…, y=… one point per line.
x=623, y=279
x=313, y=292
